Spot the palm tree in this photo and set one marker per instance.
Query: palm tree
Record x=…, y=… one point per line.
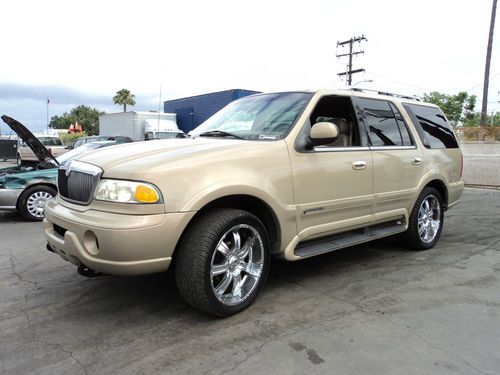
x=124, y=97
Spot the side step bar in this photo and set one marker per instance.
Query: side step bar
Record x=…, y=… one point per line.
x=323, y=245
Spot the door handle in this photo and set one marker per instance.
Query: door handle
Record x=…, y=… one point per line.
x=416, y=161
x=358, y=164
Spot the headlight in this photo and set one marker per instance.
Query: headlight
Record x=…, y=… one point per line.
x=126, y=192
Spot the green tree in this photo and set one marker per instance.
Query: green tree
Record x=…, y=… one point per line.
x=124, y=97
x=475, y=119
x=457, y=108
x=87, y=117
x=61, y=122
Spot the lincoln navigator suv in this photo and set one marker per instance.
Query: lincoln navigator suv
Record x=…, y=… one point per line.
x=291, y=175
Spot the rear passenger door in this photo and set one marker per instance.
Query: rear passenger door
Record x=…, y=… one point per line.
x=397, y=162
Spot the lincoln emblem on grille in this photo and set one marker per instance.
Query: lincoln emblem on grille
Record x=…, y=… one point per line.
x=78, y=166
x=77, y=181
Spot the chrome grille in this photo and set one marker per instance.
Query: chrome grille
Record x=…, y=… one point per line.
x=76, y=184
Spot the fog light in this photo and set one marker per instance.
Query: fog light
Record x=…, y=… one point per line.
x=90, y=242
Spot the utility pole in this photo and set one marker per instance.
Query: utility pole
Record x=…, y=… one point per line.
x=487, y=65
x=48, y=102
x=349, y=72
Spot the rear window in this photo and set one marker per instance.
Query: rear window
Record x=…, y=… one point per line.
x=432, y=126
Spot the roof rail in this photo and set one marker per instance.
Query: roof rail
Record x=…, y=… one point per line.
x=358, y=89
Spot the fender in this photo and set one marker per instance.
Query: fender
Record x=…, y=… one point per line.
x=285, y=213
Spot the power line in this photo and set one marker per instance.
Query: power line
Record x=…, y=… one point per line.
x=349, y=71
x=482, y=83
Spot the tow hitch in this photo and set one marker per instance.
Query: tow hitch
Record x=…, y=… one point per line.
x=88, y=272
x=49, y=248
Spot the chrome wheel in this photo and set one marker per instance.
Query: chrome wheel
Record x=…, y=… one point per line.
x=36, y=203
x=237, y=264
x=429, y=219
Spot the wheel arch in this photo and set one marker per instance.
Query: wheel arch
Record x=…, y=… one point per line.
x=440, y=186
x=249, y=203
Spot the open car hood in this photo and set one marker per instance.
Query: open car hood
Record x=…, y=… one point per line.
x=36, y=146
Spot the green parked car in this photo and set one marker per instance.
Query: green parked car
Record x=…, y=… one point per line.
x=26, y=188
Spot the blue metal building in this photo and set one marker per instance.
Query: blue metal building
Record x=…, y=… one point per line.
x=193, y=110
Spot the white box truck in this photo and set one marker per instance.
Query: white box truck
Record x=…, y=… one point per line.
x=139, y=126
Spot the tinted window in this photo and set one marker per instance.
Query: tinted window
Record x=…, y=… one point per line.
x=403, y=129
x=432, y=126
x=380, y=122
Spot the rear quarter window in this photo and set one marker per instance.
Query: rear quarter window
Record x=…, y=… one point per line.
x=432, y=126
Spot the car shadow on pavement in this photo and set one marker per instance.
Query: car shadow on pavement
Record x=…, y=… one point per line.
x=10, y=217
x=156, y=295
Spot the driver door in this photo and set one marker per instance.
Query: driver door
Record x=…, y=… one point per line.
x=333, y=183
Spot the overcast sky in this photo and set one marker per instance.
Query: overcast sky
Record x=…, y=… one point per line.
x=82, y=52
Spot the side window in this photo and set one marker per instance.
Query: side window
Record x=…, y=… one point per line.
x=340, y=111
x=381, y=123
x=405, y=133
x=432, y=126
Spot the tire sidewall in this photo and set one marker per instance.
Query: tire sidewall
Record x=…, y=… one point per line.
x=419, y=244
x=219, y=307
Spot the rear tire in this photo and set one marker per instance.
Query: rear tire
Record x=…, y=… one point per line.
x=222, y=262
x=32, y=202
x=426, y=220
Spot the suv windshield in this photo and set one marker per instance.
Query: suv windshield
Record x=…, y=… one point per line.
x=265, y=116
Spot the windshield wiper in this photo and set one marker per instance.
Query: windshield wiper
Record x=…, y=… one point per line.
x=219, y=133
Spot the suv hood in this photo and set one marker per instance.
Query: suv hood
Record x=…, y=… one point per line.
x=140, y=156
x=33, y=143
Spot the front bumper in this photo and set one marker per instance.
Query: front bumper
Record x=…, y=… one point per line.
x=111, y=243
x=8, y=198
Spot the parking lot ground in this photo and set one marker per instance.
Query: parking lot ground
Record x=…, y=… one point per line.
x=371, y=309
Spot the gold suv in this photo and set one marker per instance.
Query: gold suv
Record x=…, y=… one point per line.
x=292, y=174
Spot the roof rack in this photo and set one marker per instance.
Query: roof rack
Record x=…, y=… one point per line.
x=358, y=89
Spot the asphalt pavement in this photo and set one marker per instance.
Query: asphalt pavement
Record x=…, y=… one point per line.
x=371, y=309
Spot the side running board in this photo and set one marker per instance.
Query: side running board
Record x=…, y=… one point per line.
x=339, y=241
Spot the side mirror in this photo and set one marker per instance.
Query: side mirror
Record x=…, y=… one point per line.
x=323, y=133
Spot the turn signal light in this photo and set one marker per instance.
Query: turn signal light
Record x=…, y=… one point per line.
x=145, y=194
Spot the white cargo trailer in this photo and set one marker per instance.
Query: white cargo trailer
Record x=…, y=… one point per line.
x=139, y=126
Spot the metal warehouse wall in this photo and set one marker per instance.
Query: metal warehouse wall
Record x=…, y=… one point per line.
x=193, y=110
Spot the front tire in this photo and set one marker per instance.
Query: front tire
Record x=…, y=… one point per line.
x=222, y=262
x=32, y=202
x=426, y=220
